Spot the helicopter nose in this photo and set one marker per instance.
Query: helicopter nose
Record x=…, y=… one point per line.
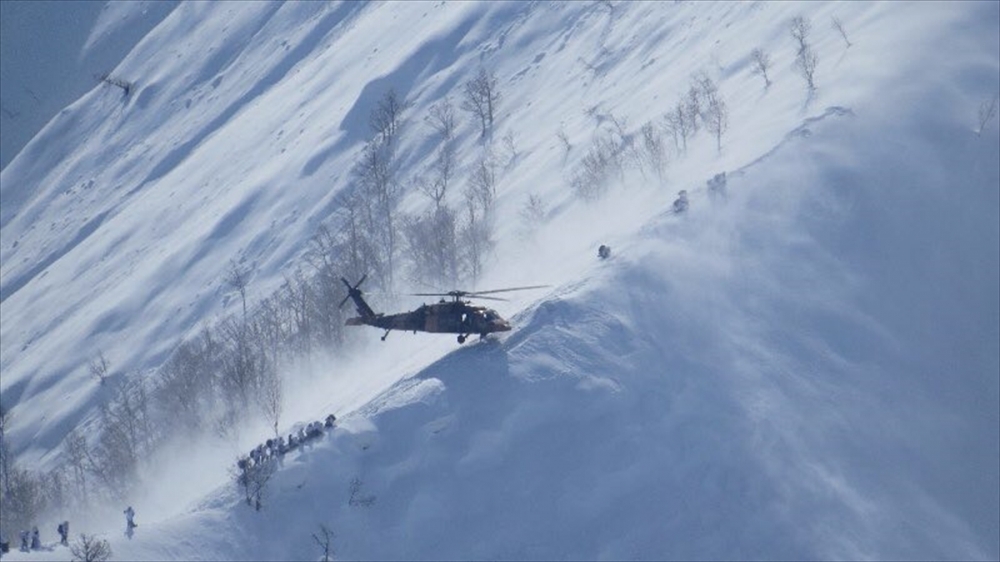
x=501, y=326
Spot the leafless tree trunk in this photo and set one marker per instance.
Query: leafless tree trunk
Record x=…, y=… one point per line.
x=532, y=214
x=655, y=155
x=442, y=119
x=564, y=138
x=679, y=126
x=716, y=115
x=272, y=399
x=692, y=109
x=806, y=64
x=987, y=111
x=6, y=460
x=325, y=541
x=358, y=499
x=252, y=478
x=443, y=169
x=24, y=502
x=76, y=453
x=511, y=147
x=238, y=277
x=379, y=196
x=761, y=62
x=800, y=28
x=385, y=118
x=99, y=367
x=481, y=98
x=483, y=183
x=806, y=58
x=839, y=26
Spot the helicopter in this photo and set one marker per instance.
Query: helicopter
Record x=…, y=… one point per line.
x=457, y=316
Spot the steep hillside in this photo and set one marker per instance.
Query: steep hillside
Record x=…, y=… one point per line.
x=802, y=365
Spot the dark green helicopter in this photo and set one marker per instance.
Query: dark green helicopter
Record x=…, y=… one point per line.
x=456, y=316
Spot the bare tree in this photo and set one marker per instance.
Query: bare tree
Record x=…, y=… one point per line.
x=272, y=399
x=716, y=115
x=432, y=245
x=443, y=169
x=987, y=111
x=511, y=147
x=800, y=29
x=533, y=214
x=126, y=435
x=839, y=26
x=654, y=153
x=483, y=182
x=476, y=234
x=99, y=367
x=386, y=116
x=23, y=500
x=442, y=119
x=533, y=211
x=359, y=499
x=378, y=196
x=77, y=456
x=89, y=548
x=481, y=98
x=680, y=127
x=806, y=58
x=6, y=457
x=238, y=277
x=325, y=541
x=325, y=255
x=252, y=478
x=564, y=138
x=806, y=62
x=761, y=62
x=692, y=108
x=477, y=230
x=54, y=488
x=597, y=169
x=186, y=383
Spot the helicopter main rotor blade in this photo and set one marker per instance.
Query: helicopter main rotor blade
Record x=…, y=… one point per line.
x=506, y=290
x=489, y=298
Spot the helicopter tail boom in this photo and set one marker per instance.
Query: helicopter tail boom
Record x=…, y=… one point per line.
x=365, y=312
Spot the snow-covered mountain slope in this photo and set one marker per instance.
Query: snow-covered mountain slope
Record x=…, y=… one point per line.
x=803, y=366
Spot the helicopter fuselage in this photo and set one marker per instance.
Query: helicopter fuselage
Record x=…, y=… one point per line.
x=456, y=317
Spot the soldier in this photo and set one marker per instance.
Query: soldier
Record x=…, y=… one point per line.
x=604, y=252
x=330, y=420
x=36, y=541
x=25, y=541
x=315, y=430
x=130, y=523
x=681, y=204
x=64, y=533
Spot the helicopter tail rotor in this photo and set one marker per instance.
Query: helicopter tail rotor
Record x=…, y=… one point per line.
x=351, y=291
x=354, y=293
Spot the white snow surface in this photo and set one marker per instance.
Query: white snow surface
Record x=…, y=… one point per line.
x=807, y=367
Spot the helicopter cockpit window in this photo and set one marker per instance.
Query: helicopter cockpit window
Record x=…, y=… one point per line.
x=492, y=315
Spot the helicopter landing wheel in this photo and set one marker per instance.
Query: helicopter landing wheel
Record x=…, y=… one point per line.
x=461, y=339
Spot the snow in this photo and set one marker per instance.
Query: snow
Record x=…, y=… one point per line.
x=804, y=368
